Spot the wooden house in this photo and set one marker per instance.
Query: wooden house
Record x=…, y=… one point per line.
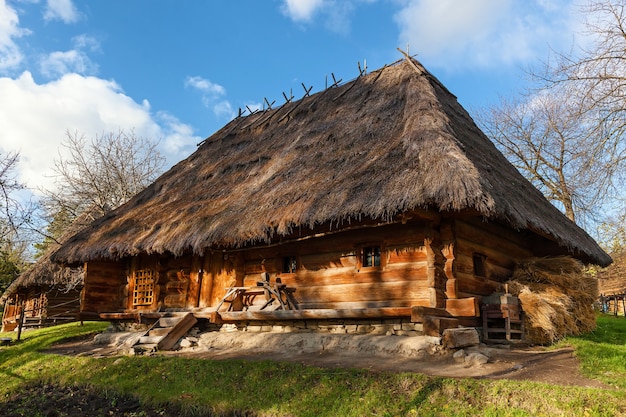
x=379, y=199
x=612, y=285
x=47, y=293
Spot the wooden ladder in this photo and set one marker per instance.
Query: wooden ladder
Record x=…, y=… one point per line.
x=165, y=332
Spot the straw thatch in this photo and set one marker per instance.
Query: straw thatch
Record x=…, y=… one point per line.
x=556, y=296
x=385, y=143
x=45, y=273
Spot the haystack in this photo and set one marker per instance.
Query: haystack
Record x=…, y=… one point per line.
x=556, y=296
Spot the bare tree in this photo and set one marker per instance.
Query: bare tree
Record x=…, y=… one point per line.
x=567, y=135
x=99, y=174
x=565, y=150
x=13, y=215
x=11, y=211
x=597, y=72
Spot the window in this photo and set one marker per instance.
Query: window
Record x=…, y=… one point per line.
x=479, y=265
x=290, y=264
x=143, y=290
x=371, y=256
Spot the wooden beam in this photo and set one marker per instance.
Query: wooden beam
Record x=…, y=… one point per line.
x=131, y=315
x=434, y=326
x=419, y=313
x=463, y=307
x=313, y=314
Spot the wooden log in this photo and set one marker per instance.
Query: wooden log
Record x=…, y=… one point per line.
x=320, y=314
x=463, y=307
x=419, y=313
x=363, y=292
x=349, y=305
x=179, y=330
x=434, y=325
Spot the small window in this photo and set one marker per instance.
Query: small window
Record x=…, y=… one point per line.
x=479, y=265
x=289, y=264
x=143, y=291
x=371, y=256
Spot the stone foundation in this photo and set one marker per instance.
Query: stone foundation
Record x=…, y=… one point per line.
x=389, y=327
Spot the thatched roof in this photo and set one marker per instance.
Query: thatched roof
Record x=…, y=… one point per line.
x=45, y=273
x=383, y=144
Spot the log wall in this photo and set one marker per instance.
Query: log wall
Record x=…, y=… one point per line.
x=501, y=248
x=421, y=264
x=105, y=288
x=330, y=272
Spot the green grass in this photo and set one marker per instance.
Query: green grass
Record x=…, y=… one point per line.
x=602, y=353
x=268, y=388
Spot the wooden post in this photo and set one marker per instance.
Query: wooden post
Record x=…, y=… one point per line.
x=20, y=323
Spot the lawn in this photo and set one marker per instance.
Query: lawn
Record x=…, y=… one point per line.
x=162, y=385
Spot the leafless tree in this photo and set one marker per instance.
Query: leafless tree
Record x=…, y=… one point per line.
x=567, y=151
x=13, y=215
x=568, y=134
x=100, y=173
x=596, y=72
x=11, y=211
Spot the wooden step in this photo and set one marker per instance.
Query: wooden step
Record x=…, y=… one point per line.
x=169, y=321
x=159, y=331
x=179, y=330
x=150, y=340
x=166, y=331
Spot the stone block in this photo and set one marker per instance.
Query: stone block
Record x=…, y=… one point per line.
x=460, y=337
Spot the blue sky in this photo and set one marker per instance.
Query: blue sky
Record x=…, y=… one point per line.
x=179, y=70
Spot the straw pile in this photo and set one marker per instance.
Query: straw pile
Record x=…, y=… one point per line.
x=556, y=296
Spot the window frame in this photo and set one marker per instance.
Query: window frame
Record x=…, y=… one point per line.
x=290, y=264
x=479, y=265
x=371, y=248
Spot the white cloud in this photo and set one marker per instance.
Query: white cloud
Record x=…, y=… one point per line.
x=63, y=10
x=10, y=55
x=224, y=110
x=301, y=10
x=204, y=86
x=75, y=60
x=483, y=33
x=35, y=118
x=336, y=14
x=179, y=141
x=59, y=63
x=212, y=96
x=86, y=42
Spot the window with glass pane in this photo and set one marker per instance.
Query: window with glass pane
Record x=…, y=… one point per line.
x=289, y=264
x=371, y=256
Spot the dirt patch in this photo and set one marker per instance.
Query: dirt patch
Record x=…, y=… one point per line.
x=375, y=353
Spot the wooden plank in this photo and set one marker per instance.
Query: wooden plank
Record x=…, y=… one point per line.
x=179, y=330
x=463, y=307
x=317, y=314
x=363, y=292
x=419, y=313
x=349, y=305
x=474, y=286
x=406, y=255
x=349, y=275
x=494, y=236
